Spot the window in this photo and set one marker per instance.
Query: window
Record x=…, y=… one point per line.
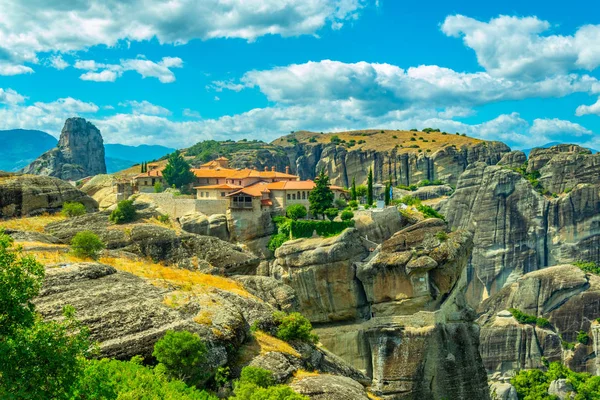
x=289, y=196
x=294, y=196
x=298, y=195
x=201, y=194
x=222, y=194
x=206, y=194
x=303, y=195
x=145, y=183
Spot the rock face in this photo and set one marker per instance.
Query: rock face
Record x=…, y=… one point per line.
x=342, y=164
x=329, y=387
x=200, y=224
x=80, y=153
x=566, y=296
x=26, y=195
x=397, y=314
x=516, y=229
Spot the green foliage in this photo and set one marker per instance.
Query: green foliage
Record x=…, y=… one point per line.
x=211, y=149
x=429, y=212
x=183, y=355
x=305, y=228
x=340, y=203
x=442, y=236
x=410, y=200
x=294, y=326
x=387, y=197
x=335, y=139
x=163, y=218
x=312, y=140
x=583, y=337
x=158, y=187
x=283, y=233
x=20, y=281
x=73, y=209
x=588, y=266
x=257, y=376
x=177, y=172
x=86, y=244
x=331, y=213
x=111, y=380
x=353, y=194
x=222, y=375
x=353, y=204
x=249, y=391
x=296, y=211
x=361, y=191
x=347, y=215
x=321, y=197
x=125, y=212
x=523, y=318
x=542, y=322
x=370, y=187
x=276, y=241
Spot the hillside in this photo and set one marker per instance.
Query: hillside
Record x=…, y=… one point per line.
x=22, y=146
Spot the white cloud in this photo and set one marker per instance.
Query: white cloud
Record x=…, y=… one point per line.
x=77, y=25
x=146, y=68
x=57, y=62
x=145, y=107
x=14, y=69
x=191, y=113
x=520, y=48
x=586, y=110
x=557, y=128
x=9, y=96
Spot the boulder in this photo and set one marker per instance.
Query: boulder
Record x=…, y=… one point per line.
x=503, y=391
x=102, y=188
x=378, y=226
x=329, y=387
x=271, y=291
x=513, y=159
x=561, y=389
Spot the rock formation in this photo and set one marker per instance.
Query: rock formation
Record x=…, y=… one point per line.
x=397, y=314
x=27, y=195
x=564, y=295
x=80, y=153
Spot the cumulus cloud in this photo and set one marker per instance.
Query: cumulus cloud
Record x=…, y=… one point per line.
x=72, y=26
x=191, y=113
x=57, y=62
x=9, y=69
x=146, y=68
x=510, y=46
x=587, y=110
x=145, y=107
x=556, y=128
x=9, y=96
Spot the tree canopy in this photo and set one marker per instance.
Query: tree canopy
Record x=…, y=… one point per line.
x=177, y=172
x=321, y=197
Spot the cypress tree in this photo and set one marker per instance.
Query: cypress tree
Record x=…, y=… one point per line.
x=370, y=187
x=388, y=186
x=353, y=190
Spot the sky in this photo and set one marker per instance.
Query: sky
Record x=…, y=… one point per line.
x=181, y=71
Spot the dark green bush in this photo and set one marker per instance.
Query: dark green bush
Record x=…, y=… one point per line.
x=276, y=241
x=429, y=212
x=73, y=209
x=294, y=326
x=588, y=266
x=583, y=337
x=86, y=244
x=125, y=212
x=257, y=376
x=523, y=318
x=305, y=228
x=347, y=215
x=331, y=213
x=182, y=354
x=296, y=211
x=542, y=322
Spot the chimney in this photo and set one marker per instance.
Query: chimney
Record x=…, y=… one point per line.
x=287, y=169
x=273, y=168
x=266, y=168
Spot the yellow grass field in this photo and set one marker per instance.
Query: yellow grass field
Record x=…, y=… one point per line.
x=30, y=224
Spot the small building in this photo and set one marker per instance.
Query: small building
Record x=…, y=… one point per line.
x=145, y=181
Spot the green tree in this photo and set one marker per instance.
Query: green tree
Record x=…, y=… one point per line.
x=86, y=244
x=294, y=326
x=125, y=212
x=388, y=197
x=259, y=384
x=347, y=215
x=258, y=376
x=182, y=355
x=331, y=213
x=370, y=187
x=321, y=197
x=296, y=211
x=177, y=172
x=158, y=187
x=361, y=191
x=73, y=209
x=353, y=193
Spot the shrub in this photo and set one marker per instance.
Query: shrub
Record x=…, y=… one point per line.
x=347, y=215
x=331, y=213
x=442, y=236
x=276, y=241
x=340, y=203
x=412, y=139
x=305, y=228
x=249, y=391
x=312, y=140
x=182, y=355
x=86, y=244
x=125, y=212
x=523, y=318
x=429, y=212
x=257, y=376
x=163, y=218
x=583, y=337
x=410, y=200
x=73, y=209
x=296, y=211
x=353, y=204
x=335, y=139
x=294, y=326
x=588, y=266
x=158, y=187
x=542, y=322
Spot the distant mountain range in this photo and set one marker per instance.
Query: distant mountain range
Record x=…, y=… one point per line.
x=545, y=146
x=22, y=146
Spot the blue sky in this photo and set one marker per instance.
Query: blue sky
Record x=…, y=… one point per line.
x=177, y=72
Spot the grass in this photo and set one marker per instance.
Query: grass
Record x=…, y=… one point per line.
x=31, y=224
x=374, y=139
x=302, y=373
x=262, y=343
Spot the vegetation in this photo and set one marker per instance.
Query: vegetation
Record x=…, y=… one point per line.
x=353, y=204
x=294, y=326
x=259, y=384
x=370, y=187
x=523, y=318
x=388, y=194
x=583, y=337
x=533, y=178
x=321, y=197
x=296, y=211
x=125, y=212
x=533, y=384
x=73, y=209
x=361, y=191
x=210, y=149
x=588, y=266
x=182, y=355
x=429, y=212
x=331, y=213
x=158, y=187
x=86, y=244
x=340, y=203
x=177, y=172
x=353, y=195
x=257, y=376
x=305, y=228
x=346, y=215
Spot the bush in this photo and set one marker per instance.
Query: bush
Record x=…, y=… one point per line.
x=588, y=266
x=163, y=218
x=158, y=187
x=294, y=326
x=523, y=318
x=305, y=228
x=347, y=215
x=410, y=200
x=257, y=376
x=276, y=241
x=583, y=337
x=125, y=212
x=353, y=204
x=442, y=236
x=340, y=204
x=249, y=391
x=182, y=355
x=296, y=211
x=429, y=212
x=542, y=322
x=73, y=209
x=86, y=244
x=331, y=213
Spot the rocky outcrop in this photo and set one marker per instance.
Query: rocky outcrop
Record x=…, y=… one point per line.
x=80, y=153
x=518, y=230
x=329, y=387
x=403, y=168
x=102, y=189
x=564, y=295
x=425, y=192
x=380, y=225
x=514, y=159
x=398, y=314
x=200, y=224
x=26, y=195
x=271, y=291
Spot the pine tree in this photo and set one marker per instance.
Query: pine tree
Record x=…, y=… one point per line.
x=321, y=197
x=370, y=187
x=353, y=190
x=388, y=187
x=177, y=172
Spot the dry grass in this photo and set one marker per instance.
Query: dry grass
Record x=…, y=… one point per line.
x=31, y=224
x=268, y=343
x=302, y=373
x=389, y=139
x=373, y=397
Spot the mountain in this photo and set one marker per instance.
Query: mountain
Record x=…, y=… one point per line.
x=136, y=154
x=22, y=146
x=546, y=146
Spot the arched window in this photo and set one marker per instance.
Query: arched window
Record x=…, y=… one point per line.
x=293, y=196
x=303, y=195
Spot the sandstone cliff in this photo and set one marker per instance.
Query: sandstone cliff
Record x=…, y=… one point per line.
x=390, y=153
x=80, y=153
x=26, y=195
x=398, y=314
